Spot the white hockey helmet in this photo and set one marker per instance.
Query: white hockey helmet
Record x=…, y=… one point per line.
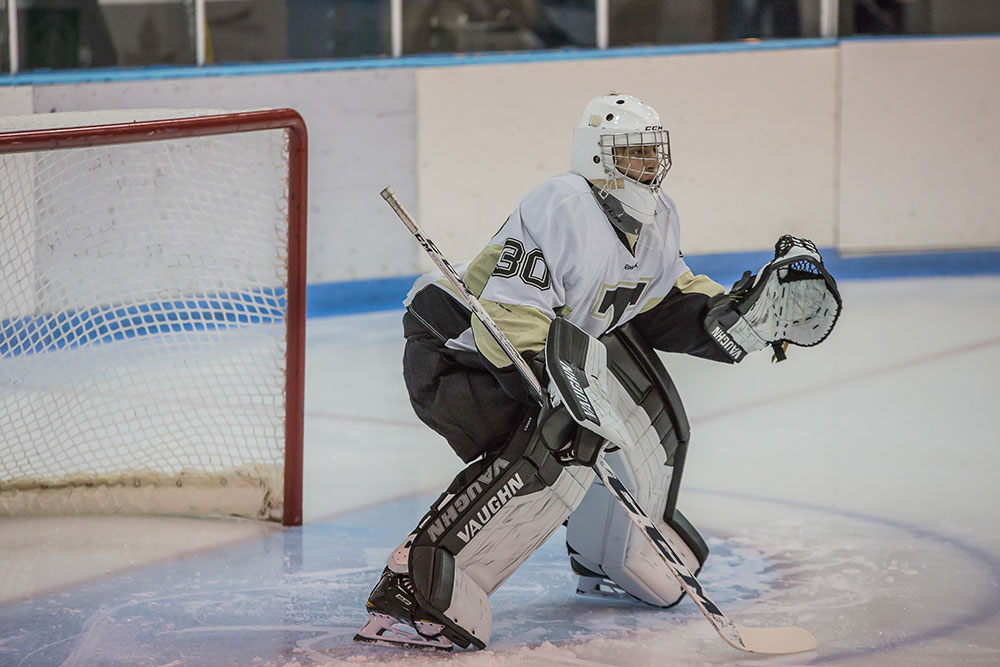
x=621, y=147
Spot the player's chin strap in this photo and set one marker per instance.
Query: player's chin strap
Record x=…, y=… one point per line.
x=615, y=212
x=792, y=299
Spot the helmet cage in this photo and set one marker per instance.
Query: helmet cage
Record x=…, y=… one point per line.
x=628, y=155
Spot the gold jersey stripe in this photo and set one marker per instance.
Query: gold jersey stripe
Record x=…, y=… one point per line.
x=478, y=272
x=481, y=267
x=651, y=303
x=525, y=326
x=689, y=283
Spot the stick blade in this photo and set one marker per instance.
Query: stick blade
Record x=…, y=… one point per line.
x=789, y=639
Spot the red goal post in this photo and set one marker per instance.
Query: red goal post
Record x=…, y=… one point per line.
x=152, y=313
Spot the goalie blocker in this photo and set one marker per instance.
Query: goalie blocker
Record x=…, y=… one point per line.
x=499, y=510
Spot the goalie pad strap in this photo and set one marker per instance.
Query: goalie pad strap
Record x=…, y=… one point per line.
x=492, y=517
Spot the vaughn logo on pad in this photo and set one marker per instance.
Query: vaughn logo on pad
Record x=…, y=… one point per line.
x=464, y=500
x=581, y=396
x=492, y=506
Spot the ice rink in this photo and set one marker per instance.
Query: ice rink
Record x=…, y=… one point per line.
x=851, y=490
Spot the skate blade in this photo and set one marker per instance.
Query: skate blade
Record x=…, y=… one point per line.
x=601, y=588
x=383, y=630
x=606, y=595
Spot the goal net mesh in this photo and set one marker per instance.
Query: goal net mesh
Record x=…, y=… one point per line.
x=143, y=323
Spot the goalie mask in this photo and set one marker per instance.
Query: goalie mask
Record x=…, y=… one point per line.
x=621, y=148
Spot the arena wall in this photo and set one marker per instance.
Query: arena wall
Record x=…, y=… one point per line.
x=864, y=145
x=920, y=145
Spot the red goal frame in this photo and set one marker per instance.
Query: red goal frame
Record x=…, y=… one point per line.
x=229, y=123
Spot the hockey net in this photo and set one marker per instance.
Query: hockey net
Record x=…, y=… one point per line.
x=152, y=310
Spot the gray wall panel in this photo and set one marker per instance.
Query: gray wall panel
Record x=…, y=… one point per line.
x=362, y=136
x=15, y=101
x=920, y=145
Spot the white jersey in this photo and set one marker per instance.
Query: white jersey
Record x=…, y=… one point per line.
x=558, y=255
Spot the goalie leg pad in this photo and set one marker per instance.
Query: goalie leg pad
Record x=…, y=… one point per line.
x=602, y=540
x=493, y=516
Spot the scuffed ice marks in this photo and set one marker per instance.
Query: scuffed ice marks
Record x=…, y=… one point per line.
x=824, y=572
x=827, y=572
x=302, y=604
x=310, y=617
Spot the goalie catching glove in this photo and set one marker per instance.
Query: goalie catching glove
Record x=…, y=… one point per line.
x=793, y=299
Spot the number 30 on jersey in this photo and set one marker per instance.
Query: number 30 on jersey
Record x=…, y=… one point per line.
x=530, y=266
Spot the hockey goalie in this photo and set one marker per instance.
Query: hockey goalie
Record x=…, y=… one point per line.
x=586, y=273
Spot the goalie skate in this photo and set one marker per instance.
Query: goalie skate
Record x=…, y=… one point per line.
x=601, y=587
x=591, y=583
x=393, y=617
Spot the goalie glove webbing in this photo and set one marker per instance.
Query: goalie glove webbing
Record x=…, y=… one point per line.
x=793, y=299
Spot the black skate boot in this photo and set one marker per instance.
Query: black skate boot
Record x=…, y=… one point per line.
x=392, y=605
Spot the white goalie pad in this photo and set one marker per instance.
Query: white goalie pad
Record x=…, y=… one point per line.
x=606, y=541
x=525, y=523
x=470, y=607
x=507, y=534
x=492, y=517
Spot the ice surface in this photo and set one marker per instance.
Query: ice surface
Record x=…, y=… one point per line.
x=849, y=490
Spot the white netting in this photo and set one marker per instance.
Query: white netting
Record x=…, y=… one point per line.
x=142, y=322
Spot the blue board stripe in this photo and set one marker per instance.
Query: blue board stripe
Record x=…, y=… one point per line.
x=357, y=296
x=343, y=298
x=65, y=329
x=154, y=72
x=726, y=268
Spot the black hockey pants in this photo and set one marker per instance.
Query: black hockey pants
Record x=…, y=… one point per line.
x=452, y=392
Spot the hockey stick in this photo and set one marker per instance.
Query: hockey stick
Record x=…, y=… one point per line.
x=755, y=640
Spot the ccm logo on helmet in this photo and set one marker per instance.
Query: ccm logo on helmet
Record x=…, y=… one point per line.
x=653, y=128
